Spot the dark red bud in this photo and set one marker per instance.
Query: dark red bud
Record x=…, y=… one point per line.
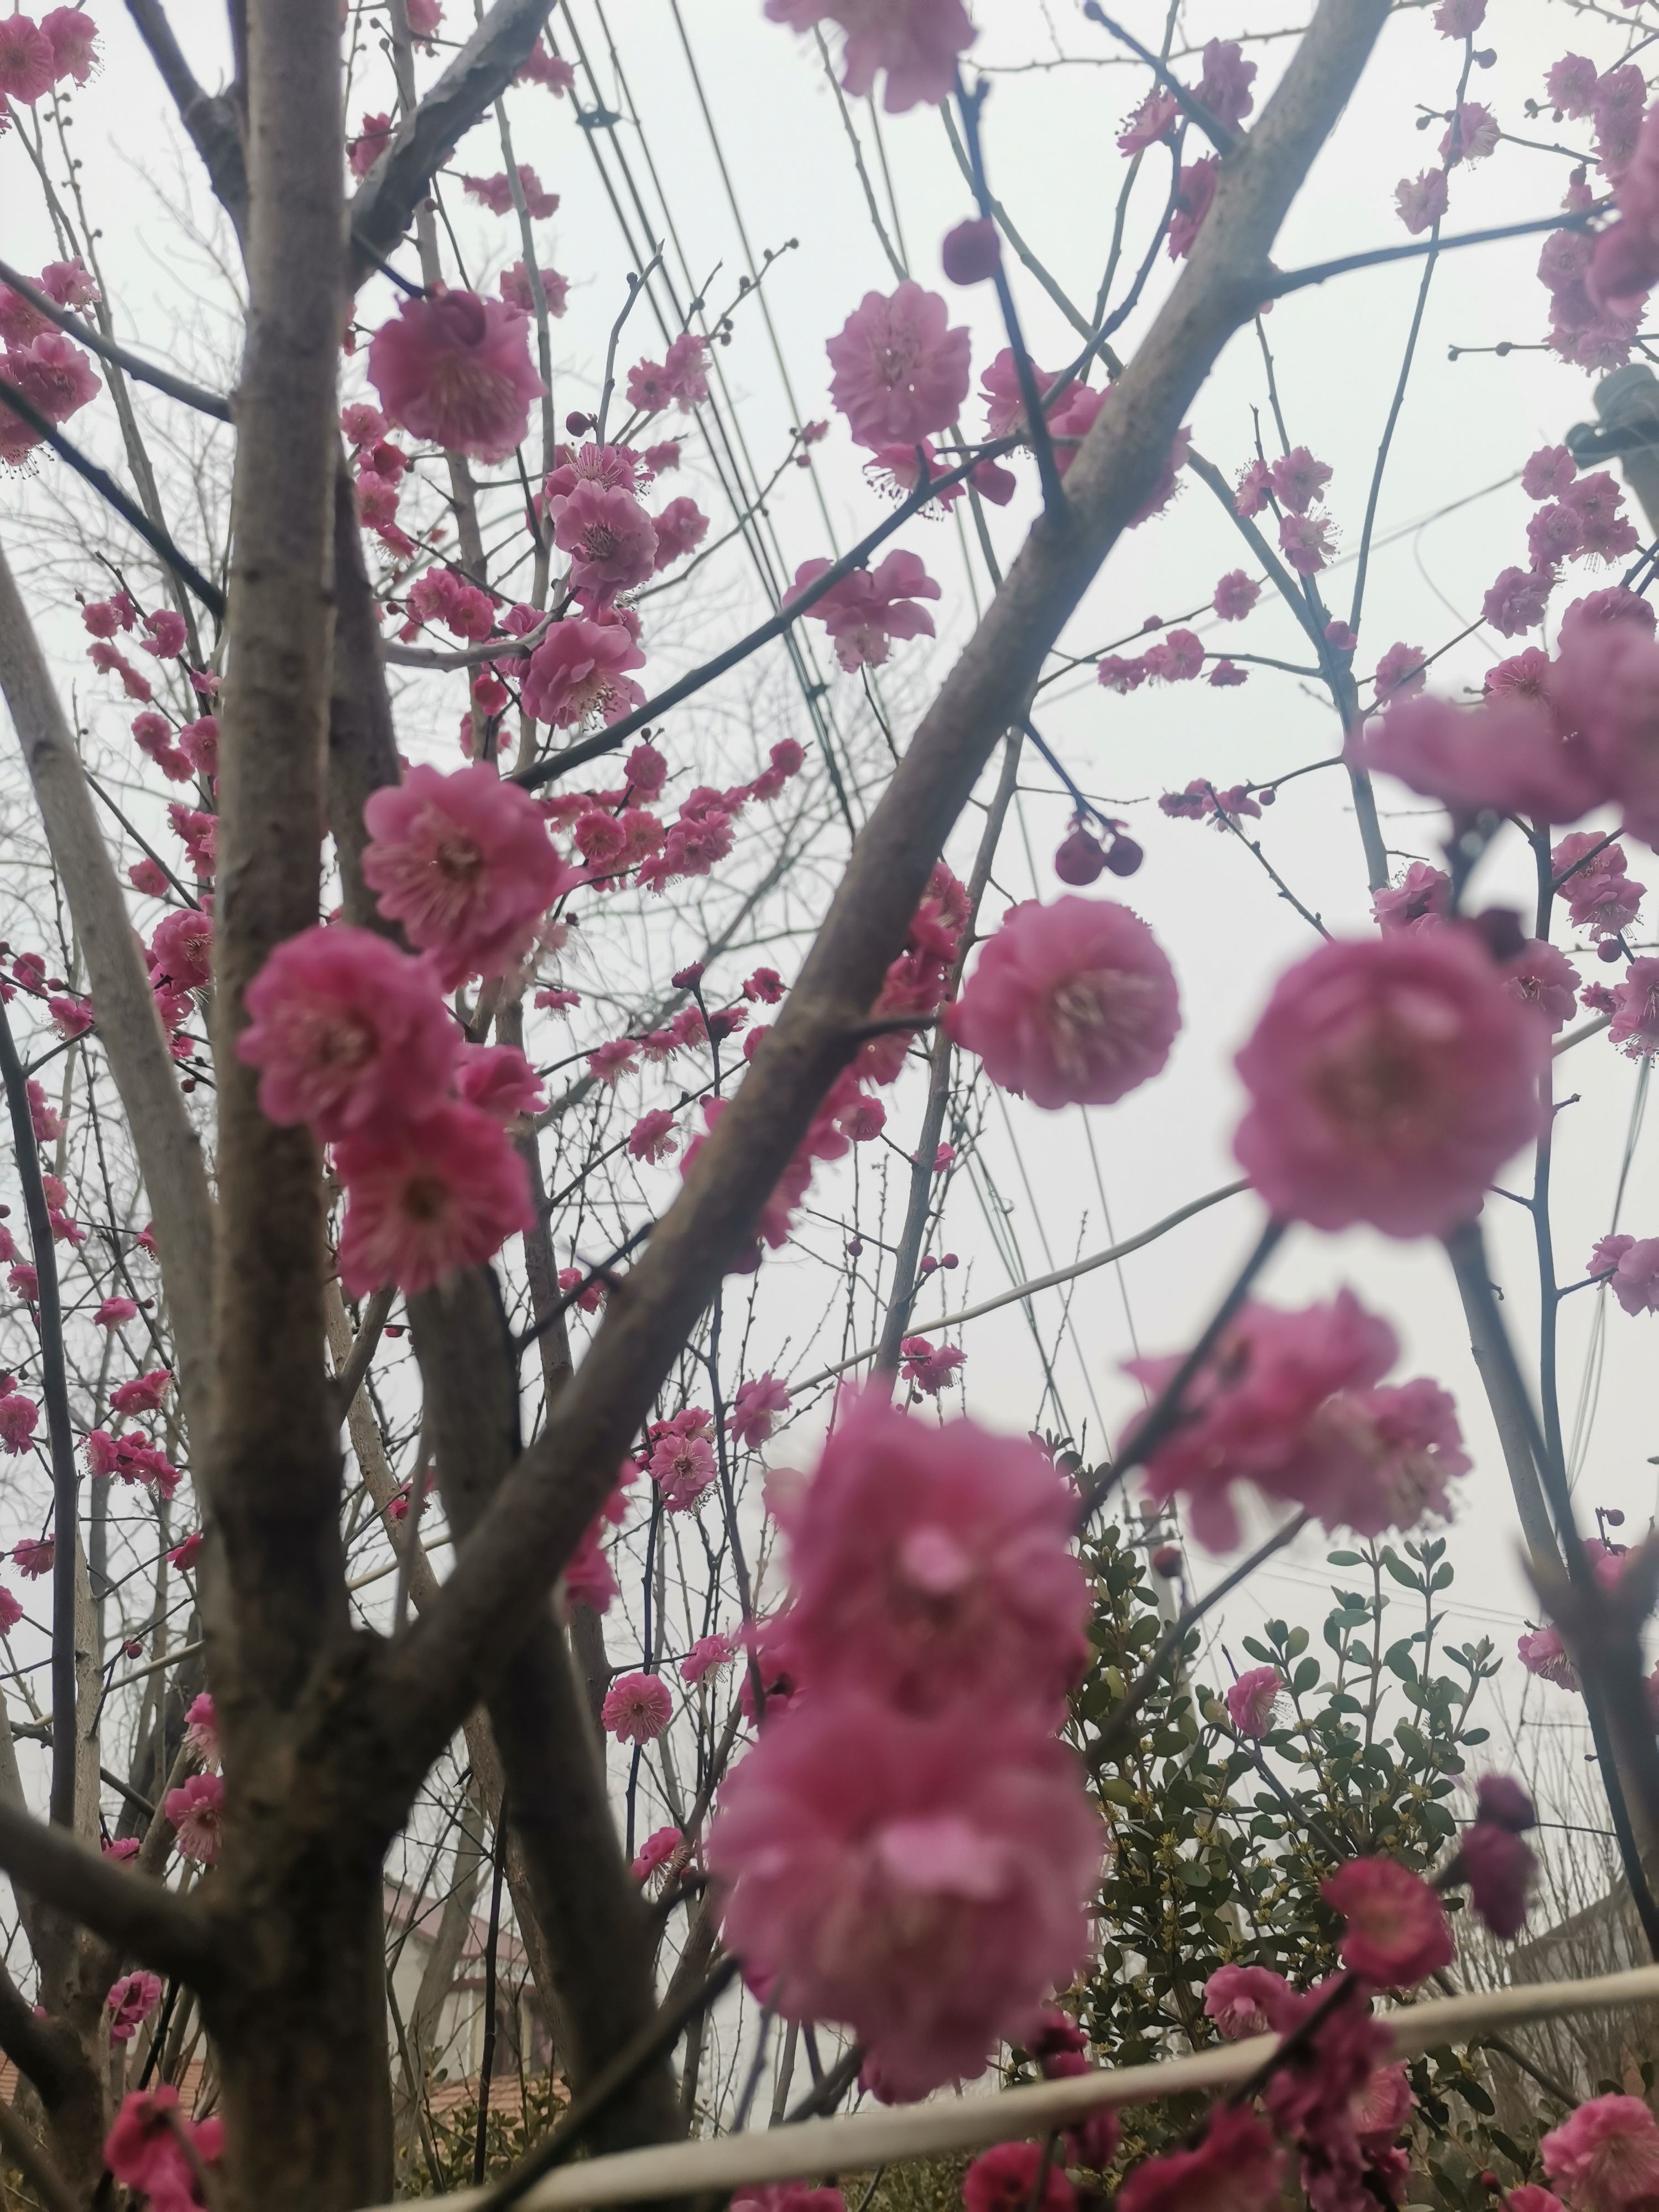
x=1081, y=857
x=1614, y=1517
x=928, y=1265
x=952, y=1260
x=1609, y=950
x=1125, y=857
x=1166, y=1560
x=578, y=424
x=972, y=253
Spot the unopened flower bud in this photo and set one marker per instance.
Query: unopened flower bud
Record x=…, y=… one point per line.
x=972, y=253
x=952, y=1260
x=1125, y=856
x=1166, y=1561
x=1610, y=950
x=1500, y=931
x=578, y=424
x=1081, y=857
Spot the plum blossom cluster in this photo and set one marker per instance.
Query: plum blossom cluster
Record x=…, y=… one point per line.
x=38, y=360
x=1293, y=1403
x=907, y=1849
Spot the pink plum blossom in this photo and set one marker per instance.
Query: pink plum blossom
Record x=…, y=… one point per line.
x=934, y=1563
x=1422, y=893
x=1541, y=1652
x=756, y=1406
x=867, y=610
x=1005, y=2178
x=1635, y=1010
x=901, y=372
x=1244, y=2000
x=347, y=1031
x=455, y=369
x=579, y=668
x=442, y=1192
x=1396, y=1934
x=1389, y=1080
x=130, y=2001
x=682, y=1467
x=915, y=43
x=1539, y=975
x=922, y=1880
x=143, y=2152
x=197, y=1812
x=636, y=1708
x=706, y=1655
x=465, y=863
x=1235, y=595
x=927, y=1366
x=609, y=536
x=1237, y=2168
x=1635, y=1278
x=1254, y=1699
x=1071, y=1003
x=1605, y=2156
x=18, y=1417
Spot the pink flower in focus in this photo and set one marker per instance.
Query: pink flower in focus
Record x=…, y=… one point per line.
x=197, y=1812
x=183, y=950
x=923, y=1880
x=901, y=373
x=456, y=369
x=1421, y=200
x=1237, y=2168
x=1548, y=472
x=1004, y=2180
x=682, y=1467
x=609, y=536
x=1399, y=672
x=18, y=1418
x=580, y=668
x=756, y=1406
x=347, y=1031
x=1396, y=1933
x=1253, y=1701
x=934, y=1564
x=1244, y=2000
x=1605, y=2155
x=1570, y=85
x=654, y=1136
x=1072, y=1003
x=497, y=194
x=706, y=1655
x=657, y=1850
x=465, y=863
x=202, y=1730
x=636, y=1708
x=142, y=1394
x=35, y=1555
x=1389, y=1080
x=112, y=1312
x=442, y=1192
x=130, y=2001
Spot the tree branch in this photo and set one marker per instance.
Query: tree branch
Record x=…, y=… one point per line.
x=169, y=1153
x=272, y=1474
x=209, y=118
x=546, y=1503
x=387, y=200
x=143, y=372
x=143, y=1917
x=54, y=1389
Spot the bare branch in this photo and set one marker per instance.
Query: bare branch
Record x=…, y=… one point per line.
x=170, y=1153
x=143, y=1917
x=550, y=1497
x=209, y=118
x=387, y=200
x=144, y=372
